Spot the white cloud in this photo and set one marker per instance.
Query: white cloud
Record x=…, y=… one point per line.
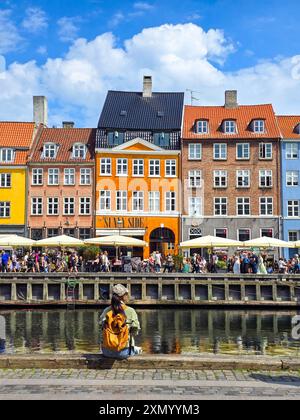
x=178, y=57
x=140, y=5
x=9, y=34
x=35, y=20
x=68, y=28
x=116, y=19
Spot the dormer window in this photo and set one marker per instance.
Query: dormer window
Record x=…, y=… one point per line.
x=79, y=151
x=7, y=155
x=258, y=126
x=297, y=129
x=202, y=127
x=162, y=139
x=229, y=127
x=50, y=151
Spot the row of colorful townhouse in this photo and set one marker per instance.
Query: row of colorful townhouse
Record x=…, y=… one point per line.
x=154, y=169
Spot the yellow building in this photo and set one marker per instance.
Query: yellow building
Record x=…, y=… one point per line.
x=15, y=141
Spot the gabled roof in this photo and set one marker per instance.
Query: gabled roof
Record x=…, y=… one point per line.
x=136, y=142
x=16, y=134
x=243, y=115
x=162, y=111
x=287, y=125
x=65, y=138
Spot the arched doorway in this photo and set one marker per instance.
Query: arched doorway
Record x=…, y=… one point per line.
x=163, y=240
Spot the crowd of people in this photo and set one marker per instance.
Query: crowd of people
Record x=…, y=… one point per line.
x=73, y=262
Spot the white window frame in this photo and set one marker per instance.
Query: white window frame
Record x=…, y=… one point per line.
x=170, y=168
x=239, y=230
x=220, y=174
x=69, y=176
x=263, y=148
x=195, y=207
x=266, y=202
x=79, y=151
x=290, y=153
x=244, y=202
x=292, y=177
x=195, y=151
x=105, y=200
x=121, y=201
x=243, y=174
x=54, y=173
x=259, y=126
x=38, y=175
x=105, y=167
x=85, y=204
x=202, y=127
x=264, y=175
x=54, y=203
x=294, y=205
x=5, y=207
x=138, y=202
x=221, y=147
x=49, y=151
x=122, y=167
x=244, y=146
x=224, y=229
x=230, y=127
x=195, y=179
x=154, y=165
x=5, y=180
x=154, y=202
x=170, y=201
x=36, y=206
x=261, y=231
x=293, y=232
x=86, y=176
x=221, y=202
x=138, y=165
x=7, y=155
x=69, y=206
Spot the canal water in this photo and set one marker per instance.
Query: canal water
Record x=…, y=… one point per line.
x=164, y=331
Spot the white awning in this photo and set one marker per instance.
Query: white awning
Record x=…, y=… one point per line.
x=124, y=232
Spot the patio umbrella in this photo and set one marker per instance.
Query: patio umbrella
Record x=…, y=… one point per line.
x=295, y=244
x=266, y=242
x=61, y=241
x=211, y=242
x=117, y=241
x=15, y=241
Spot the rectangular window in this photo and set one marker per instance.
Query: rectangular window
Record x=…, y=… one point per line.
x=122, y=167
x=292, y=151
x=84, y=234
x=220, y=205
x=138, y=201
x=220, y=179
x=267, y=233
x=85, y=176
x=121, y=200
x=195, y=151
x=4, y=209
x=293, y=236
x=52, y=233
x=170, y=168
x=85, y=205
x=195, y=179
x=69, y=205
x=53, y=206
x=105, y=166
x=220, y=151
x=265, y=151
x=266, y=206
x=154, y=202
x=37, y=176
x=243, y=206
x=230, y=127
x=292, y=178
x=293, y=208
x=79, y=151
x=53, y=177
x=221, y=233
x=138, y=167
x=105, y=200
x=49, y=151
x=244, y=235
x=259, y=126
x=5, y=180
x=195, y=207
x=243, y=179
x=202, y=127
x=7, y=155
x=266, y=179
x=69, y=177
x=170, y=201
x=36, y=206
x=243, y=151
x=154, y=168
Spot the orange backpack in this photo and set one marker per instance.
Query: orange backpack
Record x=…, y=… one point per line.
x=115, y=331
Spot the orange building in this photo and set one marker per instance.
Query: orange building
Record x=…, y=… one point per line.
x=138, y=168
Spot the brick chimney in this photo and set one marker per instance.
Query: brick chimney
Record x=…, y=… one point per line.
x=40, y=110
x=147, y=91
x=231, y=99
x=68, y=124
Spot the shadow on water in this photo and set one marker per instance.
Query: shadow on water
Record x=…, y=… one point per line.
x=164, y=331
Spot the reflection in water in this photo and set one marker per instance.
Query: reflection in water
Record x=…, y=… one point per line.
x=165, y=331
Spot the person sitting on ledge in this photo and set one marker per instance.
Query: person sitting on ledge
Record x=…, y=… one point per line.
x=119, y=326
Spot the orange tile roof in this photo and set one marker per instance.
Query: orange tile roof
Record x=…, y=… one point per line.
x=287, y=125
x=243, y=115
x=15, y=134
x=65, y=138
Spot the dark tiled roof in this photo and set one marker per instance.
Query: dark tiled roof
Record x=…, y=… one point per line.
x=65, y=138
x=163, y=111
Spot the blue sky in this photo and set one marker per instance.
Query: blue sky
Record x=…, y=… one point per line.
x=256, y=33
